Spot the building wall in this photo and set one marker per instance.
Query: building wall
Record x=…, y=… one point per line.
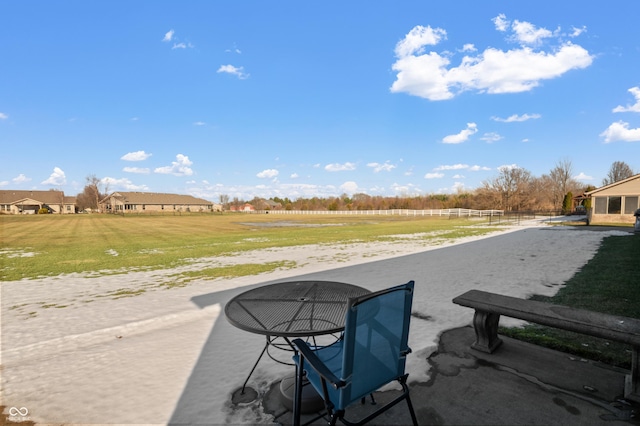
x=616, y=204
x=33, y=208
x=118, y=207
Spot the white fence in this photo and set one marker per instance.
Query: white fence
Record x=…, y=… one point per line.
x=393, y=212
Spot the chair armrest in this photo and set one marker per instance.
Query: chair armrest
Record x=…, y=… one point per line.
x=312, y=359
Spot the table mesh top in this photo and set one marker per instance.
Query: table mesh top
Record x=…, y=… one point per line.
x=293, y=309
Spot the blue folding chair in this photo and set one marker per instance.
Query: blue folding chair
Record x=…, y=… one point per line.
x=371, y=353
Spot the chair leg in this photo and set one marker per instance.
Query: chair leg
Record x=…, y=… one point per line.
x=335, y=416
x=297, y=397
x=413, y=414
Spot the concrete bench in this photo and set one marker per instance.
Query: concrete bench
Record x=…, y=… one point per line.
x=489, y=306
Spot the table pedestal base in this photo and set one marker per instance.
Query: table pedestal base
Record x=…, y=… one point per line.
x=239, y=397
x=311, y=401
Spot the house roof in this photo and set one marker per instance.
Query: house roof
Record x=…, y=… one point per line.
x=611, y=185
x=53, y=197
x=157, y=198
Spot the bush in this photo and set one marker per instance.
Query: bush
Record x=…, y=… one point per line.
x=567, y=203
x=43, y=210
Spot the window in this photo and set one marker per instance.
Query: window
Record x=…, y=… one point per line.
x=630, y=205
x=601, y=205
x=615, y=205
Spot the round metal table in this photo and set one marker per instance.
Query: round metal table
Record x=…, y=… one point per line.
x=291, y=309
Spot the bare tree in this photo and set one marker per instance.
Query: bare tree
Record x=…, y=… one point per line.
x=561, y=182
x=512, y=187
x=619, y=170
x=91, y=195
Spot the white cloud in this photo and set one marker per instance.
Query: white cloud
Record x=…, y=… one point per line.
x=56, y=178
x=237, y=71
x=294, y=176
x=419, y=36
x=349, y=187
x=3, y=116
x=508, y=167
x=122, y=184
x=268, y=174
x=462, y=136
x=501, y=22
x=135, y=156
x=635, y=91
x=577, y=31
x=428, y=75
x=182, y=45
x=377, y=167
x=523, y=32
x=139, y=170
x=406, y=190
x=180, y=167
x=517, y=118
x=620, y=131
x=469, y=47
x=199, y=123
x=583, y=176
x=4, y=183
x=527, y=33
x=336, y=167
x=457, y=187
x=21, y=178
x=234, y=50
x=458, y=176
x=168, y=35
x=434, y=175
x=452, y=167
x=477, y=168
x=491, y=137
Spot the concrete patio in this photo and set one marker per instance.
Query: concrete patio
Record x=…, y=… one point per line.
x=519, y=384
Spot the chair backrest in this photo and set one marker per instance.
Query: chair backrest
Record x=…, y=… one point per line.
x=375, y=341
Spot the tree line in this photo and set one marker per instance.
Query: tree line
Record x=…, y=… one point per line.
x=512, y=189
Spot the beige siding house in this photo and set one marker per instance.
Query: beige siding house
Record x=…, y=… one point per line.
x=30, y=202
x=615, y=203
x=149, y=202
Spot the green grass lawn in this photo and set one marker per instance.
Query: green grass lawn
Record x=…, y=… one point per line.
x=49, y=245
x=609, y=283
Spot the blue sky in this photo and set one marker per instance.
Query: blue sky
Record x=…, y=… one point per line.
x=307, y=98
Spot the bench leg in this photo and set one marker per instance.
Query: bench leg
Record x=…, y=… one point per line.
x=632, y=382
x=486, y=327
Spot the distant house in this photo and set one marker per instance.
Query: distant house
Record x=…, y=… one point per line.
x=147, y=202
x=244, y=208
x=615, y=203
x=30, y=202
x=272, y=205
